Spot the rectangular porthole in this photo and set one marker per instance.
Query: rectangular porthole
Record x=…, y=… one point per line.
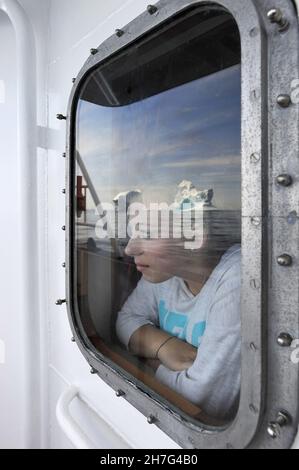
x=165, y=221
x=159, y=125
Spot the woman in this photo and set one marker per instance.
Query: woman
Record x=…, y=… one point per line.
x=184, y=315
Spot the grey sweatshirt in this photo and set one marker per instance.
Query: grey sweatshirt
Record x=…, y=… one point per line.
x=209, y=321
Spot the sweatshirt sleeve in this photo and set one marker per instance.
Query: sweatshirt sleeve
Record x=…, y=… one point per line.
x=213, y=380
x=140, y=309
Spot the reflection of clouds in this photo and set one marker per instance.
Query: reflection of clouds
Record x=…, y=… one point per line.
x=207, y=162
x=91, y=142
x=209, y=120
x=190, y=132
x=171, y=148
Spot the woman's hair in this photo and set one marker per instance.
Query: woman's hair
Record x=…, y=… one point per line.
x=222, y=229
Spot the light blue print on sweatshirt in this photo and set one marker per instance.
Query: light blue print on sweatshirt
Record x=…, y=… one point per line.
x=175, y=324
x=197, y=333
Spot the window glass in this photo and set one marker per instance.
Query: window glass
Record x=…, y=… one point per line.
x=157, y=183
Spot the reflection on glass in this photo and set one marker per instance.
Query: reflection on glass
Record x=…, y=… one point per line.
x=158, y=202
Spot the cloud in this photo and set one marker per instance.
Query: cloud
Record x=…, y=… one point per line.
x=206, y=162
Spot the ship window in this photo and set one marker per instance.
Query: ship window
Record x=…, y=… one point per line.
x=157, y=187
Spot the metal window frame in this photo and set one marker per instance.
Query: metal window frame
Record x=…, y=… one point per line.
x=270, y=144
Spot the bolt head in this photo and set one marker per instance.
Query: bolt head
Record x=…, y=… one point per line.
x=284, y=260
x=151, y=419
x=119, y=33
x=253, y=409
x=152, y=9
x=93, y=371
x=255, y=284
x=255, y=221
x=73, y=80
x=275, y=15
x=273, y=430
x=94, y=51
x=283, y=418
x=119, y=393
x=64, y=155
x=60, y=117
x=73, y=340
x=284, y=180
x=63, y=228
x=285, y=340
x=255, y=157
x=284, y=101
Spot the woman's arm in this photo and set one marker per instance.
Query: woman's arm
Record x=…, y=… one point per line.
x=153, y=343
x=146, y=341
x=138, y=329
x=139, y=310
x=213, y=380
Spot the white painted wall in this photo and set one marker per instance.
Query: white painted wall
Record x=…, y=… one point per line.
x=65, y=30
x=10, y=382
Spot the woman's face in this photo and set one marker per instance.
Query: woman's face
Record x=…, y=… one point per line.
x=161, y=259
x=156, y=259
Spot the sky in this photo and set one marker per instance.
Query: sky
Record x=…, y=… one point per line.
x=191, y=132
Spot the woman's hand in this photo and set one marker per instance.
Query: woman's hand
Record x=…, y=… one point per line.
x=153, y=363
x=177, y=355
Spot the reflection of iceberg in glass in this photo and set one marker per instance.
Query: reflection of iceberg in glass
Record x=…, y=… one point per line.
x=129, y=197
x=188, y=194
x=123, y=201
